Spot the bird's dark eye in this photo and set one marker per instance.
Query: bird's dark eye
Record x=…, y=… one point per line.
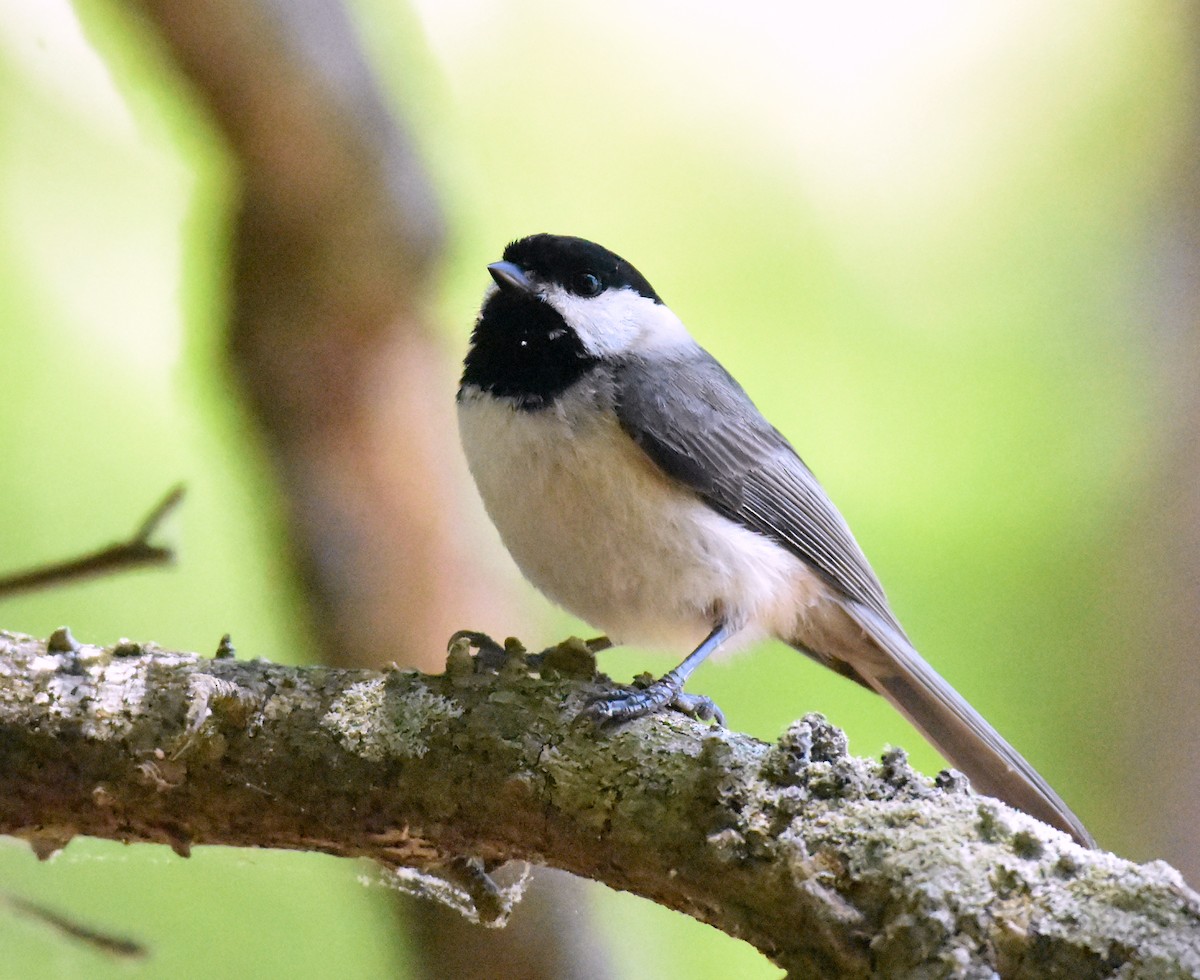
x=586, y=284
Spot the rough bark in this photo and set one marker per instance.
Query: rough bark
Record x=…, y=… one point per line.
x=831, y=865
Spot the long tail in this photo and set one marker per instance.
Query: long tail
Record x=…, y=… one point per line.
x=956, y=729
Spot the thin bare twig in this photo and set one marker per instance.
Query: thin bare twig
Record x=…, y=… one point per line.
x=135, y=552
x=117, y=947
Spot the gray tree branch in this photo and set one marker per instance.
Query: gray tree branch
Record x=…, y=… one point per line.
x=830, y=865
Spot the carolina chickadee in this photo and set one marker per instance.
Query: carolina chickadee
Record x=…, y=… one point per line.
x=637, y=485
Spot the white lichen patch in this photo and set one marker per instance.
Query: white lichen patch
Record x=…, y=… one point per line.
x=118, y=698
x=106, y=698
x=122, y=690
x=375, y=726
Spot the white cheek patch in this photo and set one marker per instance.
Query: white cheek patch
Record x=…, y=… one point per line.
x=618, y=321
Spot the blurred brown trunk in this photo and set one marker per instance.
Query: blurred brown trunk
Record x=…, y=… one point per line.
x=334, y=259
x=1166, y=548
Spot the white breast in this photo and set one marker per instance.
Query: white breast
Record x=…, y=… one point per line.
x=596, y=526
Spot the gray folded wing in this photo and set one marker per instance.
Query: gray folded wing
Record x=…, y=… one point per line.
x=701, y=428
x=698, y=425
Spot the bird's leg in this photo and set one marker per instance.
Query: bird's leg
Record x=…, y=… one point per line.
x=667, y=691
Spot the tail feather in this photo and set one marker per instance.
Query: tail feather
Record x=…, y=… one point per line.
x=956, y=729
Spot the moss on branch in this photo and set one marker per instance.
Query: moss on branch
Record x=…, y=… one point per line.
x=831, y=865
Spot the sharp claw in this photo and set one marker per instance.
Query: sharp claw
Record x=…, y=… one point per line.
x=490, y=656
x=699, y=707
x=480, y=641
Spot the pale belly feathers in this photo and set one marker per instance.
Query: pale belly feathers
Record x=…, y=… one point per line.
x=596, y=526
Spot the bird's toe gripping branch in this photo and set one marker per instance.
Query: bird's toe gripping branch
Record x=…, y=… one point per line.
x=667, y=692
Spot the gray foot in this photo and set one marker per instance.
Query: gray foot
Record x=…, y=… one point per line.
x=664, y=693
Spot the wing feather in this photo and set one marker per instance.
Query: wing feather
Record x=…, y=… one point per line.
x=713, y=439
x=702, y=429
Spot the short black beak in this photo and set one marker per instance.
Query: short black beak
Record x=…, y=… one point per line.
x=510, y=278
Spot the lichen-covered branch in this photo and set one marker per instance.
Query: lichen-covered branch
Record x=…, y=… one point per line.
x=831, y=865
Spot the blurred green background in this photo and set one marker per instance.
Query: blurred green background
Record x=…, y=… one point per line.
x=926, y=237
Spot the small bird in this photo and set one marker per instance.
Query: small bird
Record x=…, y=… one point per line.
x=636, y=485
